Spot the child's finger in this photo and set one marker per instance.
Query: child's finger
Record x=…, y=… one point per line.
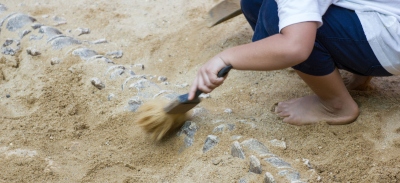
x=201, y=85
x=206, y=85
x=193, y=89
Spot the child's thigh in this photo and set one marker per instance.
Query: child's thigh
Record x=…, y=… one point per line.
x=251, y=9
x=343, y=37
x=268, y=20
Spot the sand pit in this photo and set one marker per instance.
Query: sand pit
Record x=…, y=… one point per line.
x=67, y=108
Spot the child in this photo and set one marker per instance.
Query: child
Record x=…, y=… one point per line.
x=316, y=38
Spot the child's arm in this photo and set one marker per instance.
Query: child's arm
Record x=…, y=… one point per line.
x=289, y=48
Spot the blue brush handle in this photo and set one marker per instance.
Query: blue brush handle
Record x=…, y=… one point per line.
x=222, y=73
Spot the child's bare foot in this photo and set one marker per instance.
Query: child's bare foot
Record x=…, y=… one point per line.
x=358, y=82
x=311, y=109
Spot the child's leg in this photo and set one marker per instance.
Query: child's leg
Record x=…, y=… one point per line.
x=340, y=43
x=332, y=102
x=262, y=16
x=358, y=82
x=250, y=9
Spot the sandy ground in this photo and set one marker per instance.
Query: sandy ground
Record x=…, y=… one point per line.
x=55, y=126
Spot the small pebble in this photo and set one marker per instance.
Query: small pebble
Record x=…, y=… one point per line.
x=278, y=143
x=97, y=83
x=236, y=137
x=36, y=25
x=231, y=127
x=55, y=61
x=307, y=163
x=189, y=129
x=237, y=151
x=255, y=146
x=10, y=47
x=219, y=128
x=204, y=95
x=2, y=8
x=32, y=52
x=277, y=162
x=216, y=161
x=162, y=78
x=229, y=111
x=82, y=31
x=60, y=23
x=115, y=54
x=255, y=165
x=111, y=96
x=291, y=175
x=8, y=42
x=50, y=32
x=210, y=142
x=268, y=178
x=184, y=85
x=59, y=20
x=99, y=41
x=131, y=73
x=8, y=95
x=61, y=42
x=84, y=53
x=139, y=65
x=134, y=103
x=198, y=111
x=24, y=33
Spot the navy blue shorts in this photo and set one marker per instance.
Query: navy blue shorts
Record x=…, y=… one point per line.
x=340, y=41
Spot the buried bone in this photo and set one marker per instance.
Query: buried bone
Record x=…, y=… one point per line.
x=80, y=31
x=18, y=21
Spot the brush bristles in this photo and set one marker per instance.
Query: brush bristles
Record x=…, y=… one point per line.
x=155, y=121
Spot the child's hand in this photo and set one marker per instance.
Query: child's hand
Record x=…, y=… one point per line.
x=207, y=79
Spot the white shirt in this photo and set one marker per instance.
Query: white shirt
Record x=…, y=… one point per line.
x=380, y=20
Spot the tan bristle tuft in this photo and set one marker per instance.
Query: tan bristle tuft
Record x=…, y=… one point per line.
x=155, y=121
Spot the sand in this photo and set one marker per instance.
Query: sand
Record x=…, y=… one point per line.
x=57, y=127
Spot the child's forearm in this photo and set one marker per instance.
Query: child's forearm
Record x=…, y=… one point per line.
x=289, y=48
x=279, y=51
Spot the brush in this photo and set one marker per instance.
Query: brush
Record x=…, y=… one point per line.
x=158, y=117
